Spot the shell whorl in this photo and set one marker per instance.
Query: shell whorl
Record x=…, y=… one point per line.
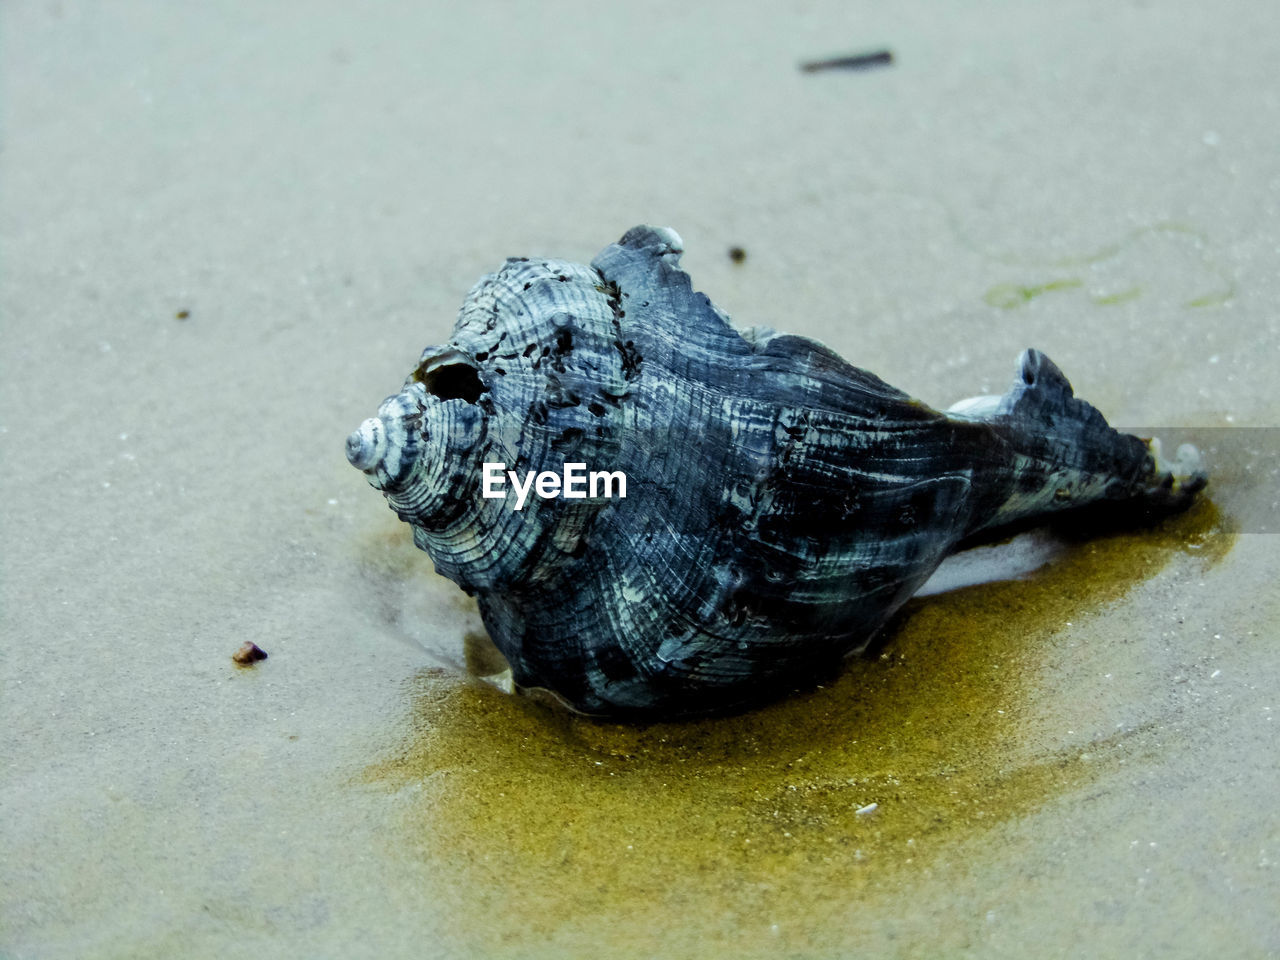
x=387, y=448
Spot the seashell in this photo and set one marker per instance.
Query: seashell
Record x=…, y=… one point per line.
x=780, y=504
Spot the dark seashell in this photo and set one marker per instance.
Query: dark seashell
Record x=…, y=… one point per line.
x=780, y=503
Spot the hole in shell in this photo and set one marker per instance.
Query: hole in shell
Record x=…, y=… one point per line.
x=456, y=381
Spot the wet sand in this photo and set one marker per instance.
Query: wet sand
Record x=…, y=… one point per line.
x=226, y=233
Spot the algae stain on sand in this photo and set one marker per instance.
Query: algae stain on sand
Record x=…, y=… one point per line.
x=753, y=831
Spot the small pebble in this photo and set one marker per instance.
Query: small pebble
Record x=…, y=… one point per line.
x=249, y=654
x=737, y=254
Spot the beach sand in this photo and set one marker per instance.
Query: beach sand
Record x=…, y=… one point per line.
x=226, y=232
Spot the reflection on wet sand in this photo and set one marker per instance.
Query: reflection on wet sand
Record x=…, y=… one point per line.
x=535, y=825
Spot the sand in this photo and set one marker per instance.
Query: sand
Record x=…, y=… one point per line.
x=226, y=232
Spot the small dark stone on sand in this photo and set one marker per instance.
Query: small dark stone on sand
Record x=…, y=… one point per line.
x=249, y=654
x=737, y=254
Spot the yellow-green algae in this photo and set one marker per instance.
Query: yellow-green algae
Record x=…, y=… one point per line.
x=753, y=833
x=1120, y=296
x=1007, y=296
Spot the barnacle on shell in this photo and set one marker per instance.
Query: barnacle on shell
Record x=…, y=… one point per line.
x=780, y=503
